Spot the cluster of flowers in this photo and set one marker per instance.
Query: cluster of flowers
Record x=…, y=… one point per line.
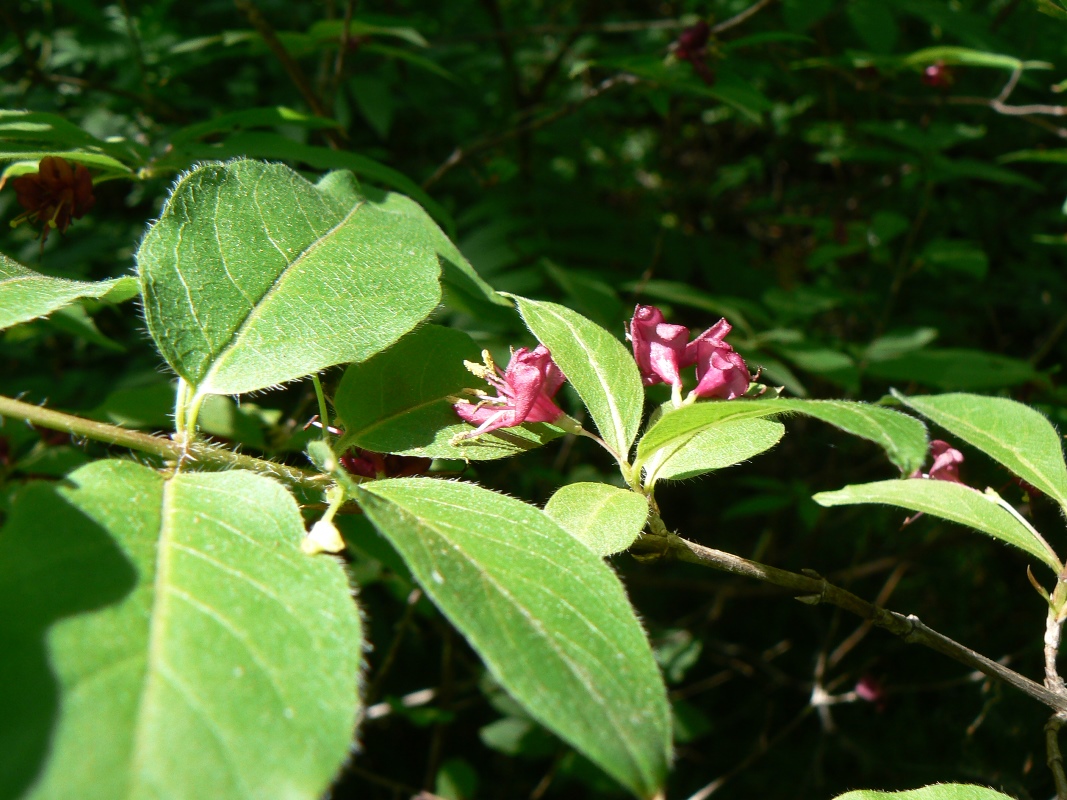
x=662, y=350
x=526, y=387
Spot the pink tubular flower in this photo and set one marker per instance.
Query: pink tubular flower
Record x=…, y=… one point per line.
x=659, y=348
x=524, y=392
x=946, y=466
x=721, y=372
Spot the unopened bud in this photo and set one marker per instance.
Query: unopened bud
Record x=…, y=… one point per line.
x=323, y=538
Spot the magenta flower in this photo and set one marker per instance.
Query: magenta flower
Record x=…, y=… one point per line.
x=947, y=460
x=946, y=466
x=659, y=348
x=721, y=372
x=524, y=392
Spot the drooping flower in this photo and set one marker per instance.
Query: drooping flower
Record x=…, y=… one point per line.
x=721, y=372
x=524, y=392
x=946, y=466
x=659, y=348
x=54, y=195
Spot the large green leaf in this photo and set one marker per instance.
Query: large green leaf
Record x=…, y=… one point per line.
x=398, y=401
x=954, y=368
x=940, y=791
x=606, y=519
x=52, y=134
x=717, y=447
x=1011, y=433
x=252, y=276
x=26, y=295
x=902, y=437
x=548, y=617
x=184, y=628
x=599, y=367
x=948, y=500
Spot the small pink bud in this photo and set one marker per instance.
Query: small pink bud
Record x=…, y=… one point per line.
x=946, y=466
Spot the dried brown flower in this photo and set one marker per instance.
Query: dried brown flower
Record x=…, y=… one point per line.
x=57, y=193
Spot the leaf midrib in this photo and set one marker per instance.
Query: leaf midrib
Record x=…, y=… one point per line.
x=622, y=436
x=253, y=314
x=981, y=435
x=630, y=746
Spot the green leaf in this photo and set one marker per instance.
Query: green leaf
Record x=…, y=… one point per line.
x=604, y=518
x=1010, y=433
x=954, y=368
x=398, y=401
x=151, y=624
x=598, y=366
x=333, y=28
x=967, y=57
x=54, y=135
x=902, y=437
x=26, y=295
x=958, y=256
x=89, y=159
x=464, y=288
x=948, y=500
x=549, y=618
x=270, y=117
x=252, y=276
x=1051, y=156
x=894, y=345
x=275, y=146
x=717, y=447
x=941, y=791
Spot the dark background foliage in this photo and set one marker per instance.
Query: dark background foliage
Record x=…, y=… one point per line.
x=853, y=208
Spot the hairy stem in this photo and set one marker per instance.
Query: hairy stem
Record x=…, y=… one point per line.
x=206, y=455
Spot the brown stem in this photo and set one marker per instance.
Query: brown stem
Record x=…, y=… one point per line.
x=736, y=20
x=292, y=68
x=813, y=590
x=208, y=456
x=342, y=49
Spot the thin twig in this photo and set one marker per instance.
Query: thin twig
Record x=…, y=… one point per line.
x=492, y=8
x=1055, y=757
x=375, y=687
x=736, y=20
x=761, y=750
x=342, y=49
x=460, y=154
x=857, y=635
x=1000, y=104
x=206, y=455
x=813, y=590
x=289, y=64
